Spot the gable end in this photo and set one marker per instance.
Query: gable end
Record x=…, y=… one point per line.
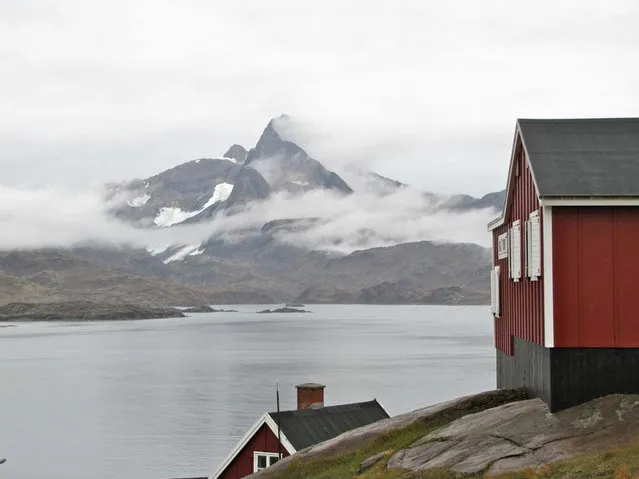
x=267, y=420
x=514, y=170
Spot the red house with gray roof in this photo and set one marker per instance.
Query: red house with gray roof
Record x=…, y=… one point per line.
x=565, y=293
x=309, y=424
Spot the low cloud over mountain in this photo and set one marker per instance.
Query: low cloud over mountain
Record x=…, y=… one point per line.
x=210, y=208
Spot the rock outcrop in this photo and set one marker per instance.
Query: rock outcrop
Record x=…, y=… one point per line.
x=491, y=434
x=207, y=309
x=283, y=310
x=82, y=311
x=437, y=413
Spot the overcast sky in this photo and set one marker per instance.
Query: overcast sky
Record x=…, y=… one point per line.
x=425, y=92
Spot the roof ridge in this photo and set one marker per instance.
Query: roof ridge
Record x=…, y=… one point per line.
x=580, y=119
x=334, y=406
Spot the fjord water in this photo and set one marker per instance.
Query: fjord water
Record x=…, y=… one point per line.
x=171, y=397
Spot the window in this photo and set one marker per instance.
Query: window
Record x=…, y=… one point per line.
x=262, y=460
x=494, y=291
x=515, y=251
x=533, y=247
x=502, y=246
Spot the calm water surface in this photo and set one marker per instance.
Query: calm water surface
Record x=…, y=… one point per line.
x=170, y=397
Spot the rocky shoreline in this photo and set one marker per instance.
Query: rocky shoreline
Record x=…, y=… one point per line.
x=283, y=310
x=83, y=311
x=207, y=309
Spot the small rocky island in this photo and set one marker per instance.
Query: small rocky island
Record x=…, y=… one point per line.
x=207, y=309
x=283, y=310
x=83, y=311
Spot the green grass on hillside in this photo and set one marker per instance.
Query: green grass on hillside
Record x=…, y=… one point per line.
x=346, y=466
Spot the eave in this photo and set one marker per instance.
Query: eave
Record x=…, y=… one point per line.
x=589, y=201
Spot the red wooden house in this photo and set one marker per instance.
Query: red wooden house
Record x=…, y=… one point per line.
x=310, y=424
x=565, y=292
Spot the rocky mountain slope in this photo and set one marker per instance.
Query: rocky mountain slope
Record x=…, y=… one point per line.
x=261, y=254
x=63, y=276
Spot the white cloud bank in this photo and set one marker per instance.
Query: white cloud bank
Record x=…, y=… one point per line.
x=54, y=218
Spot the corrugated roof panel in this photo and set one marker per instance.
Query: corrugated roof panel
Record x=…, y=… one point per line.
x=583, y=157
x=306, y=427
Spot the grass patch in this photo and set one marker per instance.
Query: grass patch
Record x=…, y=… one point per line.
x=346, y=466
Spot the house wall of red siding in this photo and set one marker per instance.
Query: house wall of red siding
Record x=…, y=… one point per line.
x=521, y=302
x=263, y=441
x=595, y=266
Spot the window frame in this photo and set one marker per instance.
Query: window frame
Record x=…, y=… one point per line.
x=502, y=246
x=268, y=455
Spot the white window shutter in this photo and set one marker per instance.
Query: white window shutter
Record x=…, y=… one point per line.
x=528, y=250
x=496, y=275
x=525, y=248
x=535, y=248
x=515, y=251
x=510, y=254
x=494, y=291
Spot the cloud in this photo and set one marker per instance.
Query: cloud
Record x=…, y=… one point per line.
x=426, y=92
x=55, y=218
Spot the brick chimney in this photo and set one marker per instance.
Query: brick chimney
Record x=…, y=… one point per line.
x=310, y=395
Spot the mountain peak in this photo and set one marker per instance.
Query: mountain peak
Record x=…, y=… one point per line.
x=278, y=125
x=270, y=142
x=236, y=152
x=283, y=118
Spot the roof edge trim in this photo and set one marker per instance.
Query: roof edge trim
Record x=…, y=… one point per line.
x=590, y=201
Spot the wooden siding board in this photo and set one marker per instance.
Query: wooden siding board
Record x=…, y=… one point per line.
x=626, y=268
x=565, y=245
x=596, y=266
x=521, y=301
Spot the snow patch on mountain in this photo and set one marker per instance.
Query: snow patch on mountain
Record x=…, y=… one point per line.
x=172, y=216
x=139, y=201
x=221, y=193
x=169, y=216
x=233, y=160
x=190, y=250
x=156, y=250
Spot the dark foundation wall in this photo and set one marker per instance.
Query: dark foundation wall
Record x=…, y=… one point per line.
x=583, y=374
x=528, y=367
x=566, y=377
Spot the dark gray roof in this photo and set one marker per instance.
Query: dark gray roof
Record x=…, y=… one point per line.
x=583, y=157
x=306, y=427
